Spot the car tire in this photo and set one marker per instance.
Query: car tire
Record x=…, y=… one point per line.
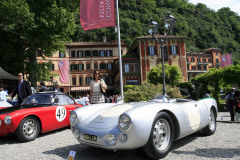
x=211, y=127
x=161, y=137
x=28, y=129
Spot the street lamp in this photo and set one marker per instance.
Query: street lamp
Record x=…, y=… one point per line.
x=169, y=21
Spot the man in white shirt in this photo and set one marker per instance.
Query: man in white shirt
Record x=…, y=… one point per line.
x=3, y=95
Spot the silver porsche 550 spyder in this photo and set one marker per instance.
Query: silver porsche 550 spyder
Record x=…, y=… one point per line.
x=152, y=125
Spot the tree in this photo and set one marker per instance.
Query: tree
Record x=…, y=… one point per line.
x=172, y=75
x=38, y=24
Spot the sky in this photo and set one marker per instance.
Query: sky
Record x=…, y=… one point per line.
x=234, y=5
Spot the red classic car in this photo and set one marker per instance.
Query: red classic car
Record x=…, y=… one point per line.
x=40, y=112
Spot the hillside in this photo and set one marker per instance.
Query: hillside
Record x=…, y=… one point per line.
x=204, y=27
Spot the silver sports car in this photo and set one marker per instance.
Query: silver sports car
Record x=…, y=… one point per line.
x=152, y=125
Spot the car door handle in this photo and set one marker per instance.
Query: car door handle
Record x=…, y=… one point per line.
x=70, y=110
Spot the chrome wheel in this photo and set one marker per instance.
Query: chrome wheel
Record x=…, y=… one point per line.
x=212, y=121
x=161, y=134
x=212, y=125
x=29, y=128
x=161, y=137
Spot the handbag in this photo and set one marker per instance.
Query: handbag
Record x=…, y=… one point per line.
x=102, y=90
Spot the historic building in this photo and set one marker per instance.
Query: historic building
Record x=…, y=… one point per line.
x=198, y=63
x=84, y=58
x=145, y=53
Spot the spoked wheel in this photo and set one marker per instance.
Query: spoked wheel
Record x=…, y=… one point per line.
x=28, y=129
x=161, y=137
x=211, y=127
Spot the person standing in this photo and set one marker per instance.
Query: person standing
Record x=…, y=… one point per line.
x=207, y=95
x=42, y=87
x=23, y=89
x=236, y=109
x=229, y=99
x=3, y=95
x=96, y=96
x=56, y=88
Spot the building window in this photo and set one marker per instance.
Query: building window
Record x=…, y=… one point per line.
x=188, y=67
x=102, y=53
x=73, y=67
x=95, y=66
x=199, y=67
x=88, y=53
x=52, y=67
x=217, y=60
x=174, y=50
x=109, y=66
x=74, y=81
x=110, y=80
x=80, y=67
x=102, y=65
x=95, y=53
x=88, y=66
x=39, y=53
x=151, y=50
x=205, y=67
x=73, y=54
x=192, y=59
x=109, y=53
x=204, y=59
x=80, y=81
x=165, y=52
x=209, y=60
x=136, y=67
x=193, y=67
x=88, y=79
x=198, y=60
x=79, y=53
x=216, y=54
x=62, y=54
x=126, y=68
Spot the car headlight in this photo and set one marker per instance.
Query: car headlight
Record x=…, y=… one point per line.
x=124, y=122
x=0, y=122
x=8, y=119
x=73, y=118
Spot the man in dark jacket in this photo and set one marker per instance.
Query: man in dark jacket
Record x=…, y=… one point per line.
x=23, y=89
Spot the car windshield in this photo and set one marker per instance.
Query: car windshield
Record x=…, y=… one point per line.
x=38, y=99
x=160, y=97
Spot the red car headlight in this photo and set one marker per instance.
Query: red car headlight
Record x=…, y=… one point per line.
x=8, y=119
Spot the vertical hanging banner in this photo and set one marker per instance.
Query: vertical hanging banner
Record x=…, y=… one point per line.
x=226, y=60
x=63, y=66
x=97, y=14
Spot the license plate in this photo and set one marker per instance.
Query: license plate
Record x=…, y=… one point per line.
x=90, y=137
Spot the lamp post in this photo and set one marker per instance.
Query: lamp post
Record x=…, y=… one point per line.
x=168, y=22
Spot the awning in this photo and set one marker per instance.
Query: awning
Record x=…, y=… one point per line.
x=75, y=89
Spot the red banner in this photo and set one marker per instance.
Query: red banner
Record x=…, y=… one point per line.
x=97, y=14
x=226, y=60
x=63, y=66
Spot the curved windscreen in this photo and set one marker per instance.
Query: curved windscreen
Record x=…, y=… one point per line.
x=39, y=99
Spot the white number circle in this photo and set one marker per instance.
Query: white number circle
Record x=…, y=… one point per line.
x=61, y=113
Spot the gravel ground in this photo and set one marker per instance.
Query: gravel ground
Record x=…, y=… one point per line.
x=224, y=144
